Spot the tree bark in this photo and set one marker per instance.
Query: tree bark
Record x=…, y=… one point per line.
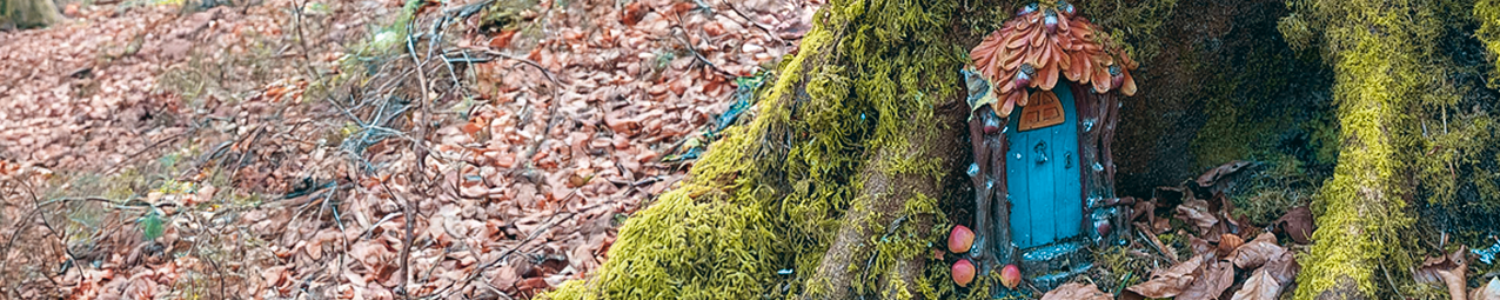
x=886, y=194
x=29, y=13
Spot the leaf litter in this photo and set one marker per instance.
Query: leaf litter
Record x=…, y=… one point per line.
x=228, y=158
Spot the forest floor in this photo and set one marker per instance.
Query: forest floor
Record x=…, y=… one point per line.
x=273, y=149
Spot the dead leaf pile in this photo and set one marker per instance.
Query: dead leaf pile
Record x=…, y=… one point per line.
x=560, y=136
x=1230, y=258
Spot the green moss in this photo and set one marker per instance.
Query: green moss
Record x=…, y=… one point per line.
x=1388, y=63
x=1280, y=183
x=1138, y=25
x=1487, y=12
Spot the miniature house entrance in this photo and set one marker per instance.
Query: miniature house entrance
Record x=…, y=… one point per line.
x=1042, y=170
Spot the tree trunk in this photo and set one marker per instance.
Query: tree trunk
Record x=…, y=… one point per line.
x=28, y=13
x=1384, y=57
x=835, y=190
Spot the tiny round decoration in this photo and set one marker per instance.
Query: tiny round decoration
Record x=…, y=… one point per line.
x=1046, y=41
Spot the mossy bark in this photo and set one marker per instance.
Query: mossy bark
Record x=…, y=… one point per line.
x=29, y=13
x=1383, y=54
x=833, y=190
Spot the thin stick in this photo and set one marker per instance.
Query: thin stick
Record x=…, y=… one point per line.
x=405, y=241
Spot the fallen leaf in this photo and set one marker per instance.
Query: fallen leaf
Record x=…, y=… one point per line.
x=1260, y=286
x=1217, y=176
x=1257, y=252
x=1446, y=269
x=1490, y=291
x=502, y=40
x=1228, y=243
x=1195, y=212
x=1283, y=268
x=633, y=13
x=1298, y=225
x=1216, y=278
x=1076, y=291
x=1170, y=282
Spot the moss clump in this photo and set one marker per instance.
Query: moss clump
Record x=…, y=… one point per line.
x=1139, y=25
x=1487, y=12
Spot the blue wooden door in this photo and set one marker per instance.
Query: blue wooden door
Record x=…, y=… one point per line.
x=1043, y=177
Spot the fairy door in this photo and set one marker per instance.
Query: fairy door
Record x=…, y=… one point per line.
x=1042, y=169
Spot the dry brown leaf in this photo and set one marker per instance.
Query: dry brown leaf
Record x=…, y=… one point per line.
x=1228, y=243
x=1298, y=224
x=1076, y=291
x=1283, y=268
x=1170, y=282
x=1489, y=291
x=1257, y=252
x=1447, y=270
x=1217, y=175
x=1195, y=212
x=1260, y=286
x=1216, y=278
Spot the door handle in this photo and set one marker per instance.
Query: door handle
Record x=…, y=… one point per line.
x=1041, y=152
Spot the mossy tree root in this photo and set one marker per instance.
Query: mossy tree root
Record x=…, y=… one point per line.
x=858, y=131
x=880, y=205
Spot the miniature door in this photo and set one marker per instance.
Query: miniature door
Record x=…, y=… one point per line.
x=1042, y=170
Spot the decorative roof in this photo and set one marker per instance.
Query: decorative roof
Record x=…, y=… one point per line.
x=1029, y=51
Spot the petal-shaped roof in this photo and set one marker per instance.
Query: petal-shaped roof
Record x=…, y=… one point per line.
x=1044, y=43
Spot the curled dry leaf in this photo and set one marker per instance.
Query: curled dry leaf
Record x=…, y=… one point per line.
x=1297, y=224
x=1076, y=291
x=1171, y=282
x=1489, y=291
x=1448, y=270
x=1216, y=278
x=1260, y=286
x=1257, y=252
x=1219, y=176
x=1195, y=212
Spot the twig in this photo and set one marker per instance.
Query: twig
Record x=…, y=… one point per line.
x=16, y=233
x=479, y=271
x=550, y=76
x=677, y=28
x=405, y=242
x=302, y=40
x=762, y=27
